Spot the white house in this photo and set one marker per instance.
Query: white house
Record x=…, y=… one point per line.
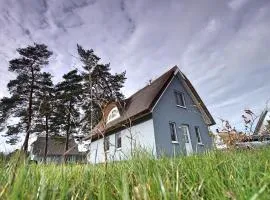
x=166, y=117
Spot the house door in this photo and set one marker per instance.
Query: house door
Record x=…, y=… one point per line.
x=187, y=139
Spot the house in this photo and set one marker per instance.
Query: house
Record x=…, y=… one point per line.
x=166, y=117
x=56, y=150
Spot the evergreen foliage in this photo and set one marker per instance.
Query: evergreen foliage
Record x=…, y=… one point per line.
x=46, y=114
x=23, y=91
x=69, y=97
x=106, y=87
x=38, y=106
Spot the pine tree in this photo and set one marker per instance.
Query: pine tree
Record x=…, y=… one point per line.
x=44, y=121
x=104, y=86
x=69, y=96
x=23, y=91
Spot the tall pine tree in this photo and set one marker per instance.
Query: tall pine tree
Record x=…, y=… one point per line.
x=69, y=96
x=23, y=90
x=44, y=121
x=104, y=86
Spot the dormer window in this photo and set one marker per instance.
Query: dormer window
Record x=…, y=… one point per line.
x=114, y=114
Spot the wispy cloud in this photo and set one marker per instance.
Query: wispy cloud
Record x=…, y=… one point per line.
x=237, y=4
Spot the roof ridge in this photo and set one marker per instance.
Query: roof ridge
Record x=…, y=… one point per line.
x=173, y=68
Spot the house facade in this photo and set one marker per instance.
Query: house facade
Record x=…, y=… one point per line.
x=167, y=117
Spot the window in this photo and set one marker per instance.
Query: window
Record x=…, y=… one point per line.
x=118, y=141
x=106, y=143
x=173, y=132
x=114, y=114
x=180, y=99
x=198, y=135
x=185, y=132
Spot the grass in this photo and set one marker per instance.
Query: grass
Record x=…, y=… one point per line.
x=214, y=175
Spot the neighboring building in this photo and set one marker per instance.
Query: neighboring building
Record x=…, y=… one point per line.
x=232, y=138
x=219, y=142
x=260, y=128
x=167, y=117
x=56, y=150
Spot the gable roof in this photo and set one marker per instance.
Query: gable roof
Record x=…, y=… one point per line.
x=141, y=103
x=56, y=147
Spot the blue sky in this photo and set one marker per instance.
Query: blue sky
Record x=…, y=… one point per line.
x=222, y=46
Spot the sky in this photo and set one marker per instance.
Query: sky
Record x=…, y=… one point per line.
x=222, y=46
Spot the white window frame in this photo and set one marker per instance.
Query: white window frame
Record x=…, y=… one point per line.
x=175, y=133
x=117, y=136
x=178, y=94
x=198, y=135
x=110, y=117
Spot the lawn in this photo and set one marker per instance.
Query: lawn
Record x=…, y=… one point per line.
x=214, y=175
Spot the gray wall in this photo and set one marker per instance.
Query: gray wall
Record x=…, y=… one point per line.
x=166, y=111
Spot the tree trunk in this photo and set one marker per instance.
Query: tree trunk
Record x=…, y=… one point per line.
x=68, y=129
x=30, y=112
x=46, y=141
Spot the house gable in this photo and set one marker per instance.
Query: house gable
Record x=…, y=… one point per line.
x=166, y=111
x=190, y=90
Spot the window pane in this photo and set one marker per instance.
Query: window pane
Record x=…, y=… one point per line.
x=179, y=97
x=113, y=114
x=185, y=133
x=198, y=135
x=118, y=140
x=176, y=98
x=173, y=132
x=182, y=99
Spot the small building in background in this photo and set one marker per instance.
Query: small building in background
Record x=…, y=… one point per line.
x=227, y=138
x=261, y=127
x=56, y=150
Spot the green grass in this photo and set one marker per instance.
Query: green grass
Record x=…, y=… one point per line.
x=215, y=175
